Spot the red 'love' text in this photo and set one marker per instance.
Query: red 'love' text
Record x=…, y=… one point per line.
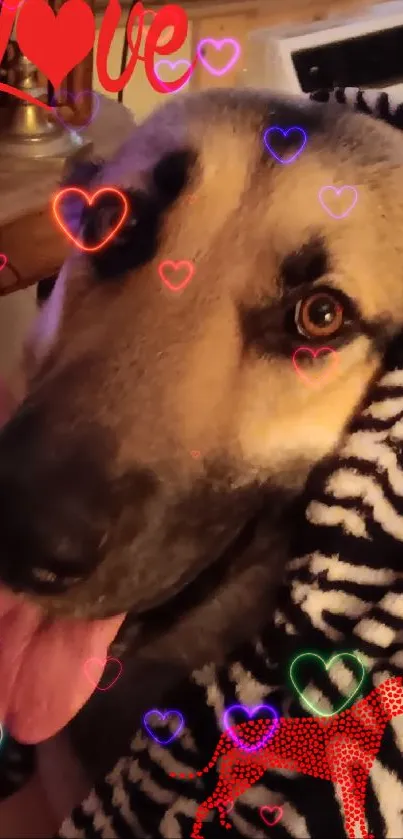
x=55, y=44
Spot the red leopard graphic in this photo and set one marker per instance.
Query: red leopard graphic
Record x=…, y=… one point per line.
x=340, y=749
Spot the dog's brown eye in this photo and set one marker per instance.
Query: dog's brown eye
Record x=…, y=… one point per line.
x=320, y=315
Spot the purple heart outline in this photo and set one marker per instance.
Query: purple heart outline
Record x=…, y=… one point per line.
x=172, y=65
x=251, y=712
x=285, y=133
x=163, y=716
x=338, y=191
x=65, y=95
x=218, y=44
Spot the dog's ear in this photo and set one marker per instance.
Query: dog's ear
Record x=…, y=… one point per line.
x=137, y=240
x=79, y=174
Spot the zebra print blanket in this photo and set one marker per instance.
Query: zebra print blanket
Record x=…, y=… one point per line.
x=343, y=592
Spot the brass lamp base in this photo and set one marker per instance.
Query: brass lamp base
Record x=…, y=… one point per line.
x=60, y=146
x=29, y=133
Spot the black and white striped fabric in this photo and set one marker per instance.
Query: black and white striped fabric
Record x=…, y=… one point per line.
x=343, y=592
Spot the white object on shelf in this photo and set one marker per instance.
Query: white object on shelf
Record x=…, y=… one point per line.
x=364, y=50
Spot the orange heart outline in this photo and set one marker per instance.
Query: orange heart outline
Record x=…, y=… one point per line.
x=176, y=264
x=90, y=199
x=314, y=353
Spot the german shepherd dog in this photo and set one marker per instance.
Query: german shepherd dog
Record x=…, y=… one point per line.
x=149, y=478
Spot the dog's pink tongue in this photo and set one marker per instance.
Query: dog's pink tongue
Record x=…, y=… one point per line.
x=43, y=681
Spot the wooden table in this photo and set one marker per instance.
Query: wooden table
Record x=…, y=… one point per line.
x=33, y=243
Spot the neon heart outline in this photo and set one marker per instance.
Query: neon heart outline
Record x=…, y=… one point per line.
x=338, y=191
x=172, y=65
x=333, y=658
x=3, y=256
x=103, y=661
x=266, y=807
x=251, y=713
x=89, y=200
x=163, y=715
x=1, y=734
x=218, y=43
x=314, y=353
x=176, y=265
x=285, y=133
x=74, y=97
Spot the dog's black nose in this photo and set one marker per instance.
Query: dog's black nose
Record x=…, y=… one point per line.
x=53, y=509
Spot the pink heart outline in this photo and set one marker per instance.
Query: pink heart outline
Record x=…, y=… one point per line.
x=74, y=97
x=271, y=810
x=338, y=191
x=5, y=260
x=218, y=43
x=103, y=663
x=176, y=265
x=172, y=65
x=304, y=376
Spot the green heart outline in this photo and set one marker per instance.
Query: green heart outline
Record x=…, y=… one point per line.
x=327, y=667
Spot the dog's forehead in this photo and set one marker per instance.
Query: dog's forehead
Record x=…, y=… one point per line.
x=224, y=130
x=221, y=126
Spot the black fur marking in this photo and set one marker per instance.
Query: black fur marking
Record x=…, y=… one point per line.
x=137, y=241
x=308, y=264
x=320, y=96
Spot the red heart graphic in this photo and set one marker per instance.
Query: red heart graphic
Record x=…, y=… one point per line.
x=176, y=267
x=55, y=43
x=266, y=811
x=94, y=668
x=90, y=199
x=318, y=378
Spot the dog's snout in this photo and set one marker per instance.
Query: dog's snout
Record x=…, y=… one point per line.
x=52, y=508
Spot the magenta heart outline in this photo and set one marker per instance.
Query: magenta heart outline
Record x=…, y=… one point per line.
x=271, y=810
x=172, y=65
x=74, y=96
x=163, y=716
x=251, y=712
x=3, y=261
x=338, y=191
x=285, y=133
x=218, y=44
